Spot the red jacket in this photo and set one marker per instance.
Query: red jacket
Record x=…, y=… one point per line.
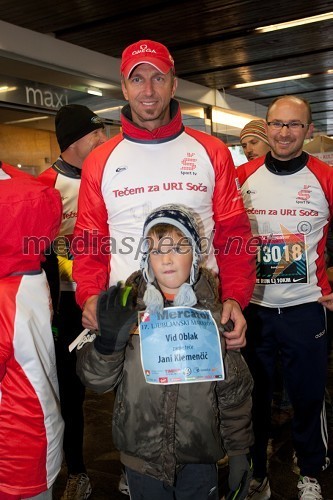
x=13, y=171
x=31, y=426
x=135, y=172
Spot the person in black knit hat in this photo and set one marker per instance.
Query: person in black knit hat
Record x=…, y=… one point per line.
x=75, y=121
x=79, y=130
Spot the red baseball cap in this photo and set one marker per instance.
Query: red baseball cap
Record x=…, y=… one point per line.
x=149, y=52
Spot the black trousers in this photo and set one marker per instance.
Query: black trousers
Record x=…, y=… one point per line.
x=193, y=482
x=72, y=391
x=299, y=334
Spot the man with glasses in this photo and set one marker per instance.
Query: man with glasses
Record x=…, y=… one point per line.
x=288, y=195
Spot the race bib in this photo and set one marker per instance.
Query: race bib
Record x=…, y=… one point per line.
x=180, y=345
x=282, y=258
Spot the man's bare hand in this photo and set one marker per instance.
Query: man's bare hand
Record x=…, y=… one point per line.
x=327, y=301
x=236, y=338
x=89, y=316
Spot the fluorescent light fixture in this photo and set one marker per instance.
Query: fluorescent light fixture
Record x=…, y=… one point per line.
x=232, y=119
x=105, y=110
x=271, y=80
x=296, y=22
x=27, y=120
x=94, y=91
x=5, y=88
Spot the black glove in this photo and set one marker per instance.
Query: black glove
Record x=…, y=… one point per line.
x=115, y=316
x=240, y=475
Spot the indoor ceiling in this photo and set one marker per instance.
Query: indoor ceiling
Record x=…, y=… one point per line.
x=213, y=42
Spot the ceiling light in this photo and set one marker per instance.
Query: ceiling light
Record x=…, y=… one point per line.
x=5, y=88
x=114, y=108
x=232, y=119
x=271, y=80
x=27, y=120
x=296, y=22
x=94, y=91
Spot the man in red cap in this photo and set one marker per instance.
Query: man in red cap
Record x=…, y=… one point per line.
x=156, y=159
x=143, y=62
x=153, y=161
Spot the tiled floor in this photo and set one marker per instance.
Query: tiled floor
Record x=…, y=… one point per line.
x=103, y=465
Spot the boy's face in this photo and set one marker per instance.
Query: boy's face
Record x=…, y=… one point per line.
x=171, y=261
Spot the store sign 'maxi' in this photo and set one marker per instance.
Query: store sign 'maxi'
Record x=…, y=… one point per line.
x=35, y=94
x=45, y=98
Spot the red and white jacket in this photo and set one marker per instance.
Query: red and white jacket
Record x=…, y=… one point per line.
x=66, y=179
x=31, y=427
x=126, y=178
x=289, y=217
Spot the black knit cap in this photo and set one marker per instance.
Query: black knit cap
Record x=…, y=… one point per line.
x=74, y=121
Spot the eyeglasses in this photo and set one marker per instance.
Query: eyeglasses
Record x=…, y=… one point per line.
x=276, y=125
